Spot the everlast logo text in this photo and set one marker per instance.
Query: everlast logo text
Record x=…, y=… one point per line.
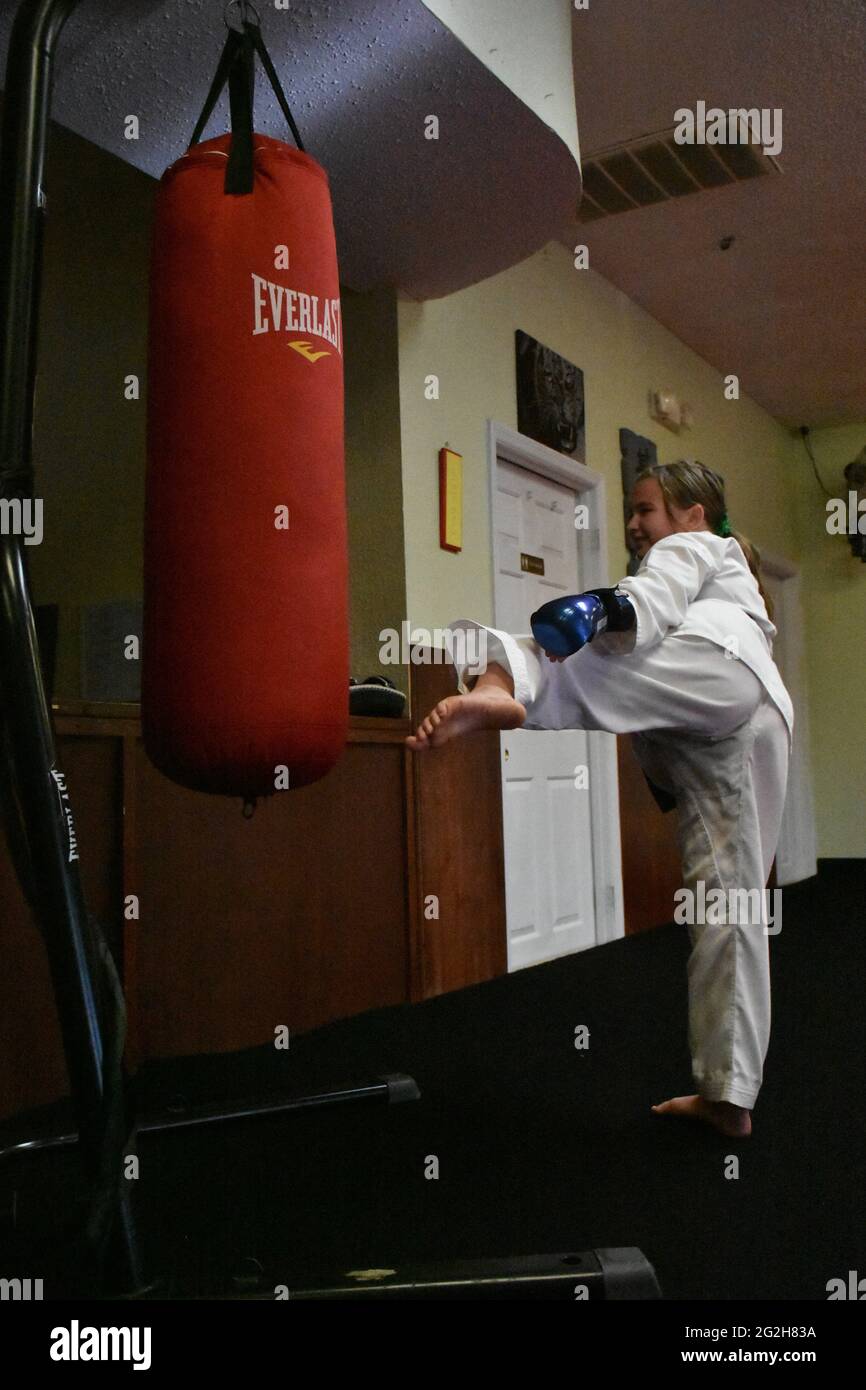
x=277, y=308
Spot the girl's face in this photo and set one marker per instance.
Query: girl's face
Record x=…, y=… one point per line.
x=649, y=520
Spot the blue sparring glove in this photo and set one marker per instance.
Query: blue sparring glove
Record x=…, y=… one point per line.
x=564, y=625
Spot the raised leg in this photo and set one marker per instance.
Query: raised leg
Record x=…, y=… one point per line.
x=683, y=683
x=488, y=704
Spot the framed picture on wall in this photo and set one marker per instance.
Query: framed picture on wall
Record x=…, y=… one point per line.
x=550, y=404
x=636, y=453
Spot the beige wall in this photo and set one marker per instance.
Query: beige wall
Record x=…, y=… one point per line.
x=467, y=340
x=374, y=484
x=89, y=443
x=834, y=596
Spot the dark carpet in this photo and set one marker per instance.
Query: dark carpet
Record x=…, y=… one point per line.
x=540, y=1147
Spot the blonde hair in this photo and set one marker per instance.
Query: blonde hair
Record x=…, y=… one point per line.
x=687, y=482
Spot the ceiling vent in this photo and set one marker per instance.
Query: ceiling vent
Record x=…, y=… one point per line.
x=656, y=169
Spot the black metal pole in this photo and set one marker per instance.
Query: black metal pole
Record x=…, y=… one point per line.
x=39, y=783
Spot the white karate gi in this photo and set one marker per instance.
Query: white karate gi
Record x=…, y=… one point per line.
x=696, y=686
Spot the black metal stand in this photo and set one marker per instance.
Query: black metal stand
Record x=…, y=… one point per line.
x=37, y=785
x=384, y=1090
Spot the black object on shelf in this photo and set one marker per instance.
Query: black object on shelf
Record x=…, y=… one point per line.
x=376, y=696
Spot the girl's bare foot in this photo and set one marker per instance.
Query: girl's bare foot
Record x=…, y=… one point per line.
x=732, y=1120
x=488, y=707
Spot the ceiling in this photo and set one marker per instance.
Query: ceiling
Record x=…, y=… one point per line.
x=782, y=308
x=360, y=77
x=785, y=307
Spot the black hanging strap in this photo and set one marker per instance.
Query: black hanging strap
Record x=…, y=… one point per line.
x=227, y=57
x=237, y=67
x=275, y=82
x=242, y=81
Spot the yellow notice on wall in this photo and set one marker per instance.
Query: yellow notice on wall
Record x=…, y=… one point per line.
x=450, y=500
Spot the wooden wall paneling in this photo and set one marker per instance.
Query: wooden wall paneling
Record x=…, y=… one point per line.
x=414, y=900
x=295, y=916
x=310, y=911
x=651, y=871
x=460, y=853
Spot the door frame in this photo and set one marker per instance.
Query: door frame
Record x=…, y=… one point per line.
x=506, y=443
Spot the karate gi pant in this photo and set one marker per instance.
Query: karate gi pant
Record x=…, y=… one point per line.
x=705, y=729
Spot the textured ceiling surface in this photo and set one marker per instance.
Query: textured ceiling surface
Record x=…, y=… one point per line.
x=360, y=77
x=784, y=306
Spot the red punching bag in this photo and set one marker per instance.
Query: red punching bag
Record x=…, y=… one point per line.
x=245, y=653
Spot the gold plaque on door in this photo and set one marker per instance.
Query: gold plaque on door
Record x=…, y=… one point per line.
x=534, y=564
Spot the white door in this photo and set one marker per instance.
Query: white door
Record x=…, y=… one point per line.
x=796, y=853
x=550, y=888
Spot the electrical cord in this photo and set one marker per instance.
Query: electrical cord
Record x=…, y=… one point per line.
x=804, y=435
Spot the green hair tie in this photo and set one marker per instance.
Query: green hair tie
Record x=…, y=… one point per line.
x=724, y=526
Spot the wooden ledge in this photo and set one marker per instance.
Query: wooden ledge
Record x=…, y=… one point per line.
x=362, y=728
